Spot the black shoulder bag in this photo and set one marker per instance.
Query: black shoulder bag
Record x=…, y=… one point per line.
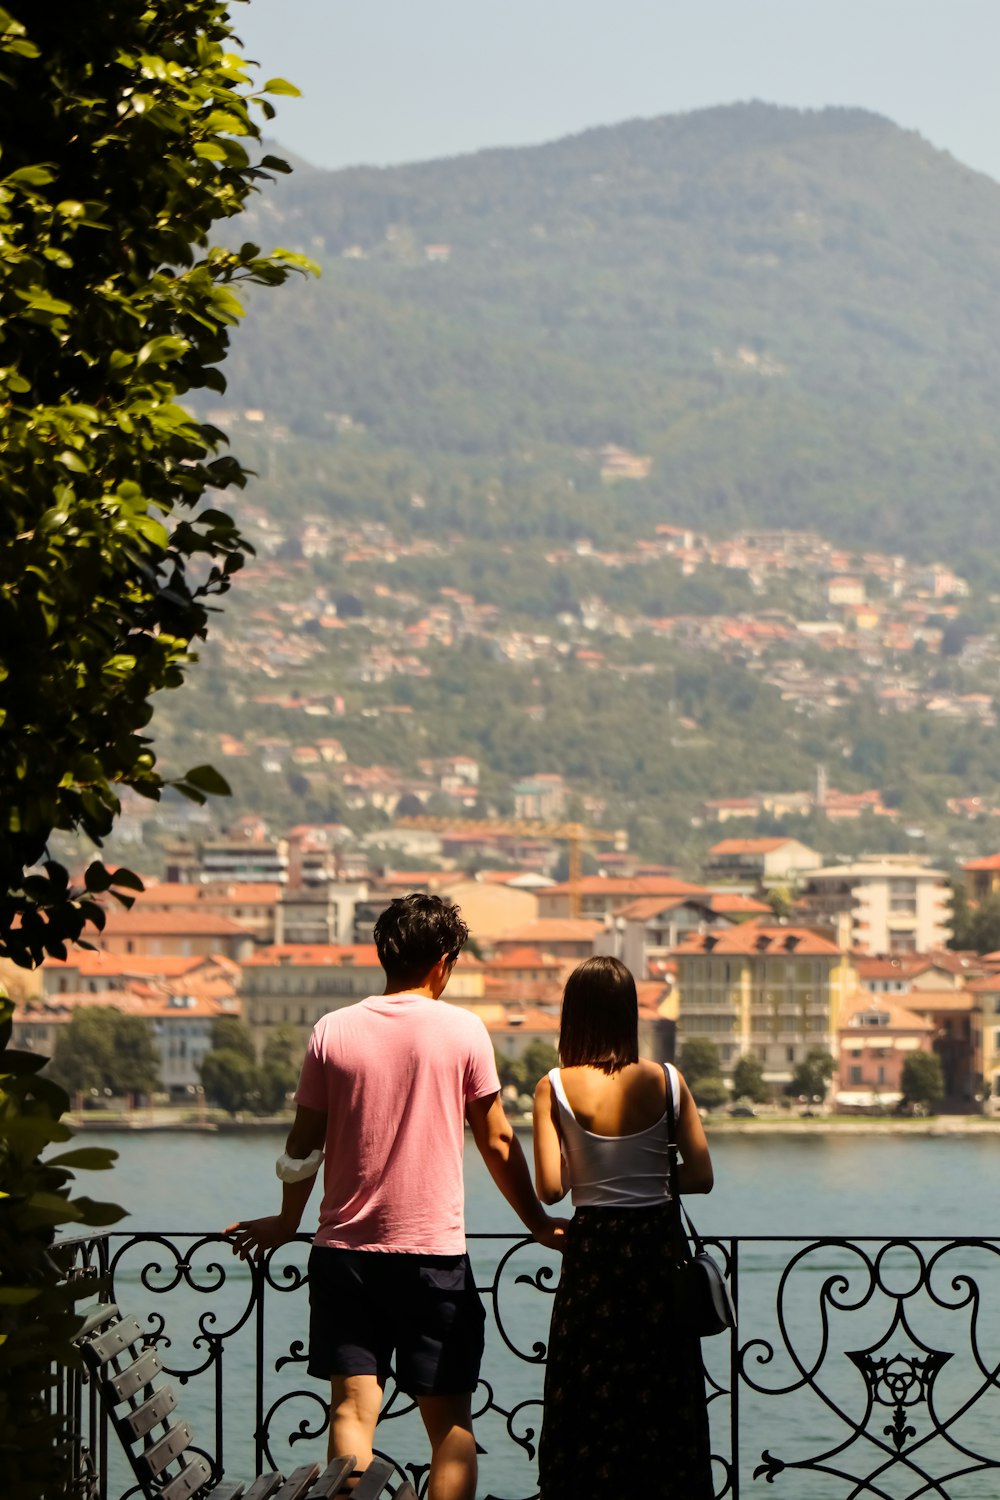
x=703, y=1301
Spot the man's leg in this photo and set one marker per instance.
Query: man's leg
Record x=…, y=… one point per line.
x=355, y=1402
x=454, y=1466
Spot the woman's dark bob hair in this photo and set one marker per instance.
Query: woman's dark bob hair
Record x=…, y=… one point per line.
x=600, y=1017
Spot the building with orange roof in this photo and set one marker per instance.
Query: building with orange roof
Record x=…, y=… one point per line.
x=97, y=972
x=956, y=1037
x=601, y=896
x=251, y=904
x=514, y=1031
x=760, y=862
x=982, y=877
x=560, y=937
x=876, y=1037
x=651, y=927
x=180, y=1022
x=183, y=934
x=762, y=990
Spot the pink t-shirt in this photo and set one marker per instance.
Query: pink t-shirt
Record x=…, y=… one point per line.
x=394, y=1074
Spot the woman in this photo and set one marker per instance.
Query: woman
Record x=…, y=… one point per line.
x=625, y=1406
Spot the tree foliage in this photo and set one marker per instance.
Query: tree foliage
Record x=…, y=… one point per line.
x=811, y=1076
x=229, y=1079
x=230, y=1034
x=234, y=1080
x=105, y=1050
x=923, y=1079
x=748, y=1080
x=699, y=1059
x=37, y=1320
x=524, y=1072
x=124, y=130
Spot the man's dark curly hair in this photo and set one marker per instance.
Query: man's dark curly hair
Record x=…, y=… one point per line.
x=413, y=933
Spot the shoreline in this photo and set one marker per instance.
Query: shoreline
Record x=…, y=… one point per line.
x=153, y=1122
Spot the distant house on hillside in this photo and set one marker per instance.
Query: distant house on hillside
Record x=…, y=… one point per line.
x=618, y=463
x=764, y=861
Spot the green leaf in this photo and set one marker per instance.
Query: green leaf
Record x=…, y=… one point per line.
x=85, y=1158
x=162, y=350
x=281, y=86
x=208, y=779
x=98, y=1215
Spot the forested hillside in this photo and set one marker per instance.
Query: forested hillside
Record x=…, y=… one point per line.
x=794, y=316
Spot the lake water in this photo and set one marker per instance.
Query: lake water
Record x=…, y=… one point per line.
x=901, y=1345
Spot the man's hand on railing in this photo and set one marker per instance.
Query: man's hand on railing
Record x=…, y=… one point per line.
x=251, y=1238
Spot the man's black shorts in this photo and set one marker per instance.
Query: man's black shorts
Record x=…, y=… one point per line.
x=365, y=1306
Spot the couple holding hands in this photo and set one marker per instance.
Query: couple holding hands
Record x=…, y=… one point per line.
x=386, y=1089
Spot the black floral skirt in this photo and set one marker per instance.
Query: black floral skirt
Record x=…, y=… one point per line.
x=625, y=1405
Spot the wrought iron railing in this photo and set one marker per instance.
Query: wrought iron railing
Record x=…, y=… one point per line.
x=862, y=1367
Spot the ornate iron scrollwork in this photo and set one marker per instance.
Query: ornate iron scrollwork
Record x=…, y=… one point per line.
x=861, y=1368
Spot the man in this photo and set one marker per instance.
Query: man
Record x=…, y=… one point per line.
x=386, y=1087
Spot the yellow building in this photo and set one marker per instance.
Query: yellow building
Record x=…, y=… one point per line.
x=763, y=991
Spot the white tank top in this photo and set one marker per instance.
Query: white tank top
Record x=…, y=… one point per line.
x=616, y=1171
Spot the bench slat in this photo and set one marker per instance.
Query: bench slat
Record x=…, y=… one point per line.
x=132, y=1379
x=333, y=1478
x=188, y=1481
x=156, y=1409
x=228, y=1489
x=173, y=1443
x=298, y=1482
x=97, y=1317
x=373, y=1480
x=264, y=1487
x=406, y=1492
x=116, y=1340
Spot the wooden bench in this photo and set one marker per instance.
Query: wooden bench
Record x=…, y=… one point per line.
x=142, y=1410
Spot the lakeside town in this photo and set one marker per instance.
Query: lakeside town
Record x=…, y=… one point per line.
x=320, y=693
x=768, y=956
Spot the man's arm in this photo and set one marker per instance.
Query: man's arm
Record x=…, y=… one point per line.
x=501, y=1151
x=251, y=1237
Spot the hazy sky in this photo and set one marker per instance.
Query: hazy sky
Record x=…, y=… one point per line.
x=407, y=80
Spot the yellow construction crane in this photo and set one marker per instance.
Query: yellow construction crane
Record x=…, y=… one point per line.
x=575, y=835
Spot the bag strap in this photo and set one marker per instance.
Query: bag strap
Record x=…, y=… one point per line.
x=672, y=1174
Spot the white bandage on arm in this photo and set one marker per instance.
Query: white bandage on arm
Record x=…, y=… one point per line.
x=291, y=1169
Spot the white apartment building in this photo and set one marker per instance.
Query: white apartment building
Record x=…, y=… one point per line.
x=894, y=903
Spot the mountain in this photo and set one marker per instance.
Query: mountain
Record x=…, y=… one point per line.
x=794, y=315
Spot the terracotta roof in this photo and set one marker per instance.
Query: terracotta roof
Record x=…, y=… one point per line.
x=985, y=862
x=167, y=965
x=754, y=938
x=553, y=930
x=527, y=1020
x=901, y=1018
x=988, y=984
x=210, y=893
x=931, y=1000
x=657, y=1001
x=730, y=903
x=749, y=846
x=651, y=906
x=626, y=885
x=523, y=958
x=172, y=924
x=307, y=955
x=131, y=1002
